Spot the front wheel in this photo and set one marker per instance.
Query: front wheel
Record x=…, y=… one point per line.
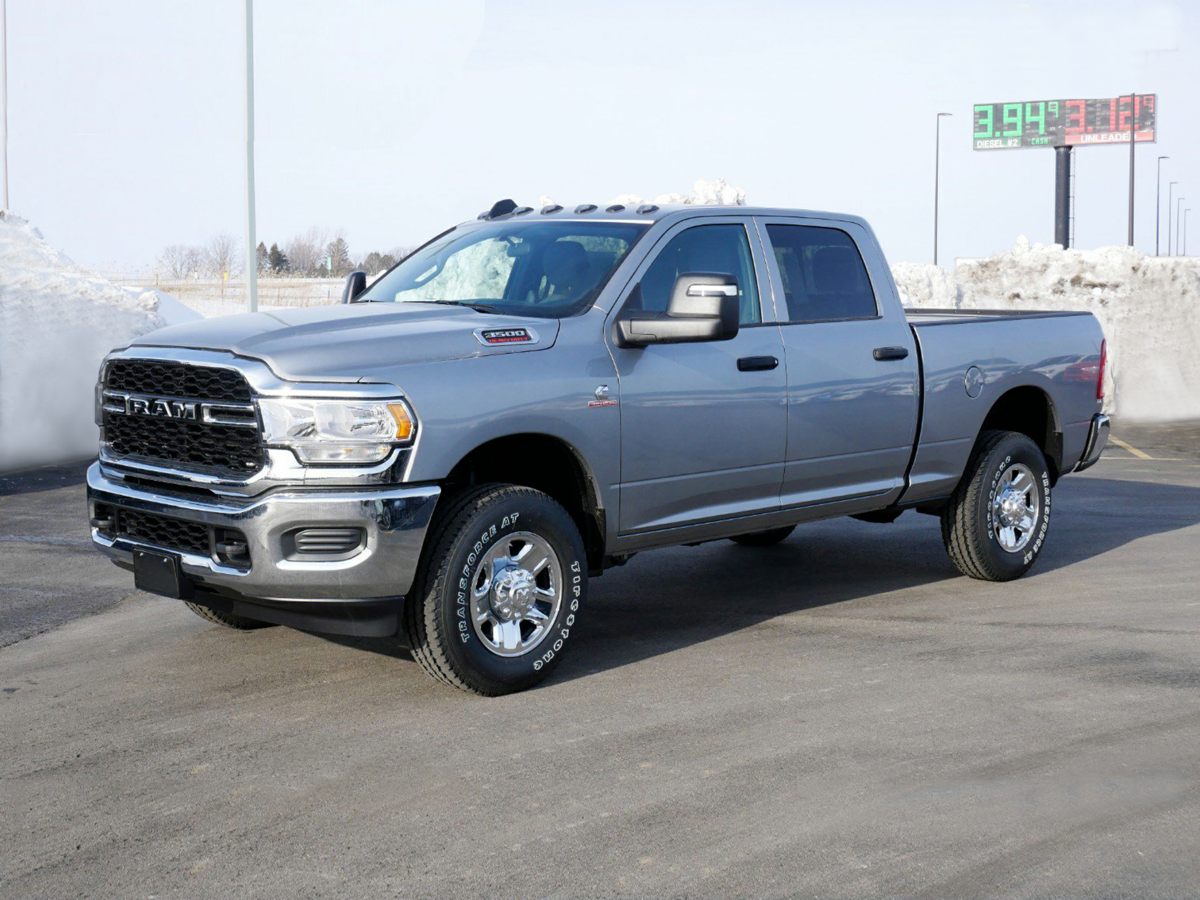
x=227, y=619
x=994, y=525
x=499, y=592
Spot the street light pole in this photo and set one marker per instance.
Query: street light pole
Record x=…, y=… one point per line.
x=1185, y=215
x=1170, y=204
x=1158, y=202
x=1178, y=216
x=937, y=165
x=251, y=247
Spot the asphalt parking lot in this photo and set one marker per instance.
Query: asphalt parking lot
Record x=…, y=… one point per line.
x=837, y=716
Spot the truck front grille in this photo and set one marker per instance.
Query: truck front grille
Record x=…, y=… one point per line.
x=174, y=379
x=170, y=534
x=227, y=545
x=230, y=447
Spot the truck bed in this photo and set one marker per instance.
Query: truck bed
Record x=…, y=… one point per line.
x=921, y=317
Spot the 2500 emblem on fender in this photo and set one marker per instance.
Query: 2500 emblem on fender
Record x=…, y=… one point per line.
x=493, y=336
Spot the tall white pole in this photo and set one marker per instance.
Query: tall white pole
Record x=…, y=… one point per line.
x=251, y=243
x=4, y=94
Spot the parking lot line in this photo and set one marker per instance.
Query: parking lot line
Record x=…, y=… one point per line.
x=1130, y=448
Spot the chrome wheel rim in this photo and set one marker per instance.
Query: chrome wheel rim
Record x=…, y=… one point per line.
x=1016, y=508
x=516, y=592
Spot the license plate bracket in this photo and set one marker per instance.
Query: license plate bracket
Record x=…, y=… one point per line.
x=159, y=573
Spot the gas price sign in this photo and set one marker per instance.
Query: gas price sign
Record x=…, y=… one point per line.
x=1057, y=123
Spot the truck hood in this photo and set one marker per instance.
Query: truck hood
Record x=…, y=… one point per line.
x=339, y=343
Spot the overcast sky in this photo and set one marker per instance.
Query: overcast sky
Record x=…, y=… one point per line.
x=391, y=120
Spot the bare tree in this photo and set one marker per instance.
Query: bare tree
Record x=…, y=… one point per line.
x=222, y=257
x=306, y=252
x=181, y=260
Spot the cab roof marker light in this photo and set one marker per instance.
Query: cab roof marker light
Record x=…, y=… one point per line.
x=646, y=208
x=500, y=208
x=585, y=208
x=616, y=207
x=552, y=208
x=521, y=210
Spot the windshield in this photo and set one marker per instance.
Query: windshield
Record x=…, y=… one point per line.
x=545, y=269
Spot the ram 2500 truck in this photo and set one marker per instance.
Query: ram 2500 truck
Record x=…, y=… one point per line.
x=534, y=396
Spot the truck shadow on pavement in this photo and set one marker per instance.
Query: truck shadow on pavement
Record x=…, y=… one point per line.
x=667, y=600
x=47, y=478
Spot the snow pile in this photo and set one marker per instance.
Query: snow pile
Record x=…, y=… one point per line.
x=705, y=192
x=1148, y=306
x=56, y=324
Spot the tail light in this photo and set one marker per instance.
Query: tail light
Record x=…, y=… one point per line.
x=1100, y=374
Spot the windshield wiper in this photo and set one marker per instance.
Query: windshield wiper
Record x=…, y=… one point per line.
x=470, y=304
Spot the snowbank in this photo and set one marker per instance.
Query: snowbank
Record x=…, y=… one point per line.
x=1148, y=306
x=56, y=324
x=705, y=192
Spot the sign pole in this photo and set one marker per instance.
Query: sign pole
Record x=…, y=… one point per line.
x=251, y=246
x=937, y=168
x=1062, y=196
x=1132, y=144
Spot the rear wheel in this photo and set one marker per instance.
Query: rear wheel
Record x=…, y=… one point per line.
x=768, y=538
x=229, y=620
x=499, y=591
x=995, y=524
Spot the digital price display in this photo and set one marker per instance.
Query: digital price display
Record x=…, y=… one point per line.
x=1057, y=123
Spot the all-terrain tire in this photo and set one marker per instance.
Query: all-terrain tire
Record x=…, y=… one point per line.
x=228, y=619
x=440, y=609
x=970, y=519
x=768, y=538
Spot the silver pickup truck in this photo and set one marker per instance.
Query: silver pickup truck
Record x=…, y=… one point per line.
x=534, y=396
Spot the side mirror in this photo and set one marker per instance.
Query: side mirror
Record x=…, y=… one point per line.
x=703, y=307
x=356, y=283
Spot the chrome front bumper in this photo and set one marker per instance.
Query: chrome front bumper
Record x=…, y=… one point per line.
x=1097, y=440
x=395, y=520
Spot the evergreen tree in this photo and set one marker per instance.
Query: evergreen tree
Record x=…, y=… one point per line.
x=373, y=264
x=260, y=253
x=339, y=257
x=277, y=260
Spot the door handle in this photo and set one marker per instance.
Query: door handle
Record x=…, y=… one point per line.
x=882, y=353
x=757, y=363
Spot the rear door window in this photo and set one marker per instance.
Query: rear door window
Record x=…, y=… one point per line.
x=823, y=274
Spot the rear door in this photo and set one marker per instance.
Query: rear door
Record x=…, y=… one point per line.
x=852, y=369
x=702, y=424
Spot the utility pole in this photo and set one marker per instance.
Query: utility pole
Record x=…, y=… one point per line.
x=4, y=94
x=1170, y=204
x=1158, y=202
x=251, y=244
x=937, y=164
x=1132, y=144
x=1185, y=215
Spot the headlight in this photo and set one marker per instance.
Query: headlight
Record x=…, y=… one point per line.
x=337, y=431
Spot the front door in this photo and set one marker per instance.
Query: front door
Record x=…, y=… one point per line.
x=702, y=434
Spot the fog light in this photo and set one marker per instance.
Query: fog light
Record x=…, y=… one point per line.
x=230, y=547
x=315, y=544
